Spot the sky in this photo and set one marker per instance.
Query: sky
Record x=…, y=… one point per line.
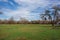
x=29, y=9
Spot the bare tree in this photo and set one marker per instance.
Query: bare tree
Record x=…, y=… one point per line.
x=23, y=21
x=55, y=15
x=46, y=15
x=11, y=21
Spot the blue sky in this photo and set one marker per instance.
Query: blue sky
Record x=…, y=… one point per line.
x=29, y=9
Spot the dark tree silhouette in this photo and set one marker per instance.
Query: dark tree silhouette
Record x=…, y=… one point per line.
x=55, y=15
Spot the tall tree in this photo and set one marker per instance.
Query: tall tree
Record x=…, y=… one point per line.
x=43, y=16
x=56, y=14
x=47, y=15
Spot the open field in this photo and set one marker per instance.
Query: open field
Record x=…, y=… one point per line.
x=28, y=32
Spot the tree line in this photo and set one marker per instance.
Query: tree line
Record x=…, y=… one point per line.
x=49, y=17
x=24, y=21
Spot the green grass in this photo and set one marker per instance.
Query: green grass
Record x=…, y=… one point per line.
x=28, y=32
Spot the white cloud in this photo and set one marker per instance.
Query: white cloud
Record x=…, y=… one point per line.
x=35, y=3
x=21, y=12
x=17, y=13
x=26, y=8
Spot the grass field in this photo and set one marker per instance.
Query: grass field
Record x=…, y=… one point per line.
x=28, y=32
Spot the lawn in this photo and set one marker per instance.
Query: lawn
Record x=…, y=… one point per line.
x=28, y=32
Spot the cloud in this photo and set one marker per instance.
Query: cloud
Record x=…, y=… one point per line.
x=21, y=12
x=41, y=3
x=16, y=13
x=33, y=3
x=26, y=7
